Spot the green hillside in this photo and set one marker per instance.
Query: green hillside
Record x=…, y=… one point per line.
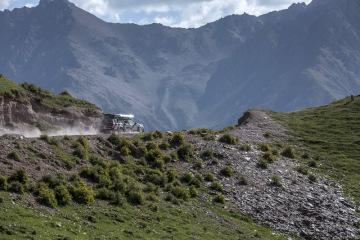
x=331, y=136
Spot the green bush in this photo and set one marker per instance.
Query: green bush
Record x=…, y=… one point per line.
x=80, y=151
x=14, y=156
x=177, y=139
x=219, y=198
x=185, y=152
x=245, y=148
x=229, y=139
x=227, y=171
x=62, y=195
x=187, y=178
x=119, y=200
x=82, y=193
x=207, y=154
x=155, y=158
x=125, y=151
x=269, y=157
x=114, y=139
x=276, y=181
x=156, y=177
x=152, y=146
x=216, y=187
x=209, y=177
x=135, y=197
x=105, y=194
x=264, y=147
x=84, y=142
x=46, y=196
x=3, y=183
x=180, y=193
x=171, y=175
x=313, y=164
x=312, y=178
x=19, y=176
x=243, y=181
x=164, y=146
x=193, y=192
x=262, y=164
x=157, y=135
x=54, y=180
x=119, y=185
x=303, y=170
x=288, y=152
x=198, y=164
x=16, y=187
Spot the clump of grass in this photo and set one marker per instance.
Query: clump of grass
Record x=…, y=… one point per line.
x=302, y=170
x=219, y=198
x=264, y=147
x=3, y=183
x=164, y=146
x=14, y=156
x=209, y=177
x=155, y=158
x=198, y=164
x=16, y=187
x=227, y=171
x=243, y=181
x=269, y=157
x=135, y=197
x=245, y=148
x=276, y=181
x=46, y=196
x=207, y=154
x=228, y=139
x=216, y=187
x=313, y=164
x=82, y=193
x=312, y=178
x=62, y=195
x=288, y=152
x=20, y=176
x=180, y=193
x=262, y=164
x=185, y=152
x=193, y=192
x=177, y=139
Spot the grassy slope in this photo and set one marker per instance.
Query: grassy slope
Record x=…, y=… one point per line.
x=332, y=135
x=101, y=221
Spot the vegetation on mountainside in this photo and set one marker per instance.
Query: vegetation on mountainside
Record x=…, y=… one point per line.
x=140, y=194
x=25, y=91
x=330, y=136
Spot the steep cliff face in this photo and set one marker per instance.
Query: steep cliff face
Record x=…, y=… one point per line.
x=31, y=111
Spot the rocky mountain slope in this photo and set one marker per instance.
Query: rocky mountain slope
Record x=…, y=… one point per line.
x=254, y=180
x=174, y=78
x=31, y=111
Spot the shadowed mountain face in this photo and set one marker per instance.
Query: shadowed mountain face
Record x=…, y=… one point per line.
x=177, y=78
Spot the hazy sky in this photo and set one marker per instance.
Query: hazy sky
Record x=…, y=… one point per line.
x=183, y=13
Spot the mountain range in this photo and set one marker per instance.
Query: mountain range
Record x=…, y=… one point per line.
x=174, y=78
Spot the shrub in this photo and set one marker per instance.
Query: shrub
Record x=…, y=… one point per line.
x=19, y=176
x=198, y=164
x=180, y=193
x=46, y=196
x=125, y=151
x=187, y=178
x=312, y=178
x=152, y=146
x=262, y=164
x=193, y=192
x=313, y=164
x=135, y=197
x=185, y=152
x=62, y=195
x=105, y=194
x=265, y=147
x=269, y=157
x=207, y=154
x=118, y=200
x=227, y=171
x=209, y=177
x=301, y=169
x=3, y=183
x=171, y=175
x=228, y=139
x=82, y=193
x=14, y=156
x=16, y=187
x=45, y=138
x=216, y=187
x=80, y=151
x=54, y=180
x=288, y=152
x=305, y=156
x=177, y=139
x=219, y=198
x=157, y=135
x=245, y=148
x=243, y=181
x=84, y=142
x=164, y=146
x=155, y=158
x=156, y=177
x=119, y=185
x=276, y=181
